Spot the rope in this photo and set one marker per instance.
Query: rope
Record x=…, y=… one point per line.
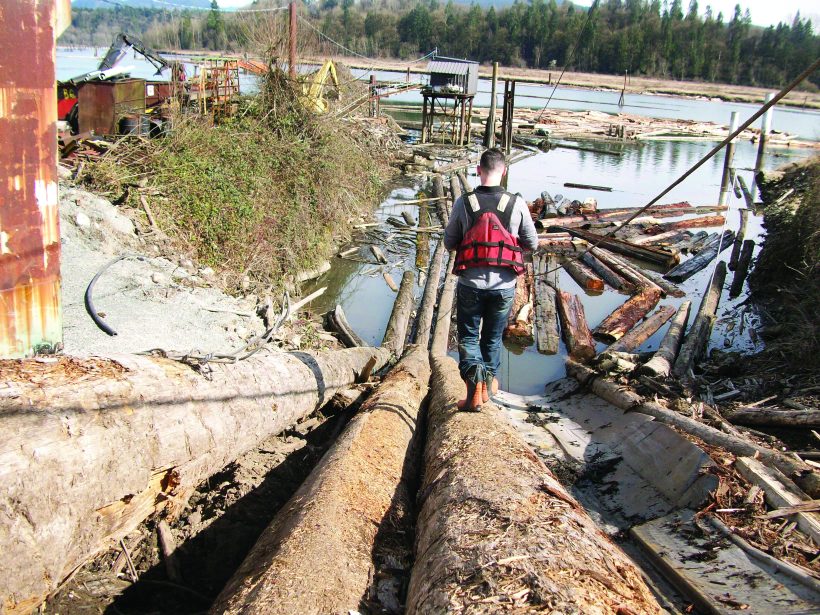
x=570, y=58
x=780, y=95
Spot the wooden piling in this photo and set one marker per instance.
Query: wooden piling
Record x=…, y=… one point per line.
x=765, y=129
x=741, y=234
x=489, y=132
x=742, y=268
x=727, y=160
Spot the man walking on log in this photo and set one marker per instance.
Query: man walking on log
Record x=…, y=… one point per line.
x=489, y=229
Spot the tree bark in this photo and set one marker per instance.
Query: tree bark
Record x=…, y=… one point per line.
x=742, y=268
x=628, y=400
x=583, y=275
x=547, y=337
x=577, y=336
x=661, y=363
x=395, y=335
x=496, y=530
x=322, y=551
x=606, y=273
x=644, y=253
x=643, y=331
x=698, y=337
x=619, y=322
x=706, y=255
x=772, y=417
x=111, y=441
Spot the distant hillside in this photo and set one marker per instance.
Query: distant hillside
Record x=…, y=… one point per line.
x=141, y=4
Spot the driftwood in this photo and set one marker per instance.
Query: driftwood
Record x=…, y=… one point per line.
x=168, y=546
x=698, y=336
x=741, y=234
x=661, y=363
x=742, y=270
x=494, y=520
x=637, y=336
x=707, y=254
x=317, y=556
x=408, y=218
x=547, y=336
x=395, y=334
x=377, y=252
x=644, y=253
x=583, y=275
x=390, y=282
x=628, y=400
x=588, y=187
x=772, y=417
x=616, y=325
x=338, y=322
x=574, y=326
x=607, y=274
x=157, y=428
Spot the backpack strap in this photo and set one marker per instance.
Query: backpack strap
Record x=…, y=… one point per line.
x=503, y=209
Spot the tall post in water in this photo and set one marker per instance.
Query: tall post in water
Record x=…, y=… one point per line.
x=727, y=162
x=489, y=132
x=30, y=305
x=292, y=41
x=765, y=129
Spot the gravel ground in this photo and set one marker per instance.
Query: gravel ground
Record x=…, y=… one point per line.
x=149, y=300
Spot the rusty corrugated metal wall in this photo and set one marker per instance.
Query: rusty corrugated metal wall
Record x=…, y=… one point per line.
x=30, y=306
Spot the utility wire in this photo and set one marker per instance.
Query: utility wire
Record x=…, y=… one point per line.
x=571, y=57
x=780, y=95
x=220, y=10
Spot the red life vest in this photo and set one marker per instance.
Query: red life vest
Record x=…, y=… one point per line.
x=488, y=242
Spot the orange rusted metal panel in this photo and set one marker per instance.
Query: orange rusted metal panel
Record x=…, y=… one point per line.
x=30, y=306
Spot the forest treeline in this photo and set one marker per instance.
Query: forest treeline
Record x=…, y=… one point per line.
x=644, y=37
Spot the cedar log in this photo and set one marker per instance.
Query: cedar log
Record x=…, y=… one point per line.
x=317, y=556
x=629, y=401
x=395, y=335
x=702, y=222
x=616, y=325
x=547, y=336
x=494, y=519
x=643, y=331
x=606, y=273
x=624, y=269
x=114, y=440
x=661, y=363
x=577, y=337
x=583, y=275
x=707, y=254
x=698, y=337
x=441, y=328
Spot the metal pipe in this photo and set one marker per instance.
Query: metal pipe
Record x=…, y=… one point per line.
x=30, y=305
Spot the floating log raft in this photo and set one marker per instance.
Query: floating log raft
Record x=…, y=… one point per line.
x=574, y=326
x=547, y=336
x=492, y=512
x=156, y=426
x=644, y=253
x=359, y=488
x=661, y=363
x=619, y=322
x=628, y=400
x=742, y=270
x=637, y=336
x=583, y=275
x=705, y=255
x=698, y=336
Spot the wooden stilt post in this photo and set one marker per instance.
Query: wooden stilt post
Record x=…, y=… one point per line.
x=727, y=162
x=489, y=131
x=292, y=40
x=765, y=129
x=504, y=117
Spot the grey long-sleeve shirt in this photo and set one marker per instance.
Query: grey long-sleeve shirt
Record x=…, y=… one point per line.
x=521, y=226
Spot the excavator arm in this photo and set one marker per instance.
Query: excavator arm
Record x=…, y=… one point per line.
x=315, y=84
x=121, y=44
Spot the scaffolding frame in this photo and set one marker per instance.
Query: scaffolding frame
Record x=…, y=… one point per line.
x=446, y=117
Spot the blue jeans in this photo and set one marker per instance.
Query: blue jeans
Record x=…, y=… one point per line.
x=481, y=317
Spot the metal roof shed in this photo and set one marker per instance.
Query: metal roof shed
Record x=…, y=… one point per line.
x=453, y=76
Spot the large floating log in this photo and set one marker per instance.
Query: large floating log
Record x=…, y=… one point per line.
x=671, y=236
x=583, y=275
x=395, y=334
x=661, y=363
x=156, y=427
x=428, y=300
x=441, y=327
x=624, y=269
x=645, y=253
x=637, y=336
x=616, y=325
x=607, y=274
x=701, y=222
x=772, y=417
x=495, y=525
x=705, y=255
x=698, y=336
x=620, y=214
x=317, y=556
x=574, y=326
x=628, y=400
x=547, y=336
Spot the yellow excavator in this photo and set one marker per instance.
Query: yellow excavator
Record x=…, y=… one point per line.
x=313, y=87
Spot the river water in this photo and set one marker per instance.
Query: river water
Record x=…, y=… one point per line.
x=642, y=170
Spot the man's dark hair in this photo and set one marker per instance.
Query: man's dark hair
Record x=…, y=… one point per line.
x=492, y=160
